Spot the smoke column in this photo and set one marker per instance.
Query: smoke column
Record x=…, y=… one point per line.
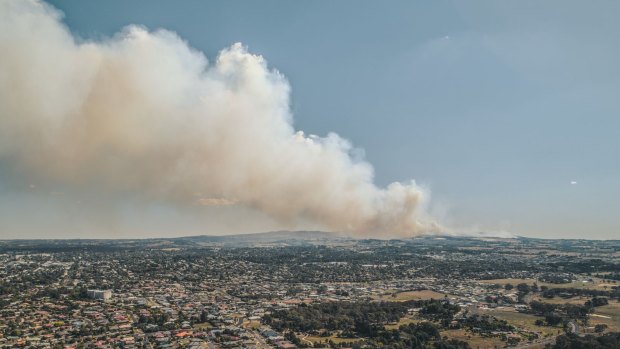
x=144, y=114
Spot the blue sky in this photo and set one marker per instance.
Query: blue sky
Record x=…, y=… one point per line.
x=496, y=106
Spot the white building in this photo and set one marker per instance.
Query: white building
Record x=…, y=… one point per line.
x=100, y=294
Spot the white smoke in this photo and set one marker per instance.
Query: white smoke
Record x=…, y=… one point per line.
x=144, y=114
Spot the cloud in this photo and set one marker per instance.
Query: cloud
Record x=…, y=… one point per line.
x=144, y=115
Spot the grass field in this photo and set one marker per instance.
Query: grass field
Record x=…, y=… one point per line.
x=251, y=324
x=596, y=284
x=334, y=338
x=611, y=316
x=513, y=282
x=403, y=321
x=202, y=326
x=475, y=341
x=523, y=321
x=412, y=295
x=560, y=300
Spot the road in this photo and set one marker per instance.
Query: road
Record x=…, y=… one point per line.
x=260, y=341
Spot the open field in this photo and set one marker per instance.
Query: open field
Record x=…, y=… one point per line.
x=522, y=321
x=596, y=284
x=412, y=295
x=475, y=341
x=251, y=324
x=334, y=338
x=610, y=316
x=513, y=282
x=203, y=326
x=559, y=300
x=403, y=321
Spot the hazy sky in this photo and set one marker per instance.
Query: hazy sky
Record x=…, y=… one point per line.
x=507, y=111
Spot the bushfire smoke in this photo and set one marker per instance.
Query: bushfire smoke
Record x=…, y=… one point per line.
x=144, y=114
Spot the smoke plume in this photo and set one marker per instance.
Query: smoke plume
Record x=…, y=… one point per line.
x=143, y=114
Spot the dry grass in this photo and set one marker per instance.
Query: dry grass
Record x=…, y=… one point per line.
x=474, y=341
x=523, y=321
x=401, y=322
x=612, y=310
x=412, y=295
x=560, y=300
x=202, y=326
x=513, y=282
x=334, y=338
x=596, y=284
x=254, y=324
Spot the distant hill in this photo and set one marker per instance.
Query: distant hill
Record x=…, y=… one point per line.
x=277, y=238
x=282, y=238
x=286, y=238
